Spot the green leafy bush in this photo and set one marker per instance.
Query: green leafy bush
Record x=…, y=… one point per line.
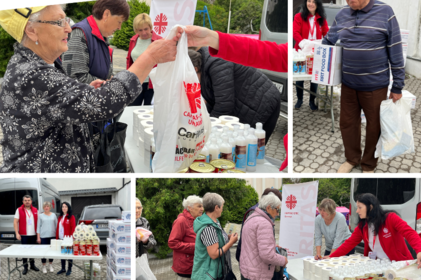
x=6, y=47
x=217, y=14
x=79, y=11
x=162, y=202
x=122, y=37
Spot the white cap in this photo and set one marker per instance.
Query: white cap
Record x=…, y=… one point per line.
x=259, y=126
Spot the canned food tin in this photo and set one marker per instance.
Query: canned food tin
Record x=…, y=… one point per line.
x=185, y=170
x=384, y=278
x=200, y=158
x=232, y=171
x=222, y=164
x=201, y=167
x=361, y=278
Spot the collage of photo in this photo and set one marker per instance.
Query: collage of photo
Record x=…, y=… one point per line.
x=274, y=105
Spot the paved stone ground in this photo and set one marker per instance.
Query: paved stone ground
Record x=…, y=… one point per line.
x=318, y=150
x=274, y=148
x=76, y=273
x=162, y=267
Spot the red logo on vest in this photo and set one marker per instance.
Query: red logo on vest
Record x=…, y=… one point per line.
x=160, y=24
x=291, y=202
x=193, y=95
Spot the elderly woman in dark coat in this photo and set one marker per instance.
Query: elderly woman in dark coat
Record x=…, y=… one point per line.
x=236, y=90
x=141, y=247
x=43, y=112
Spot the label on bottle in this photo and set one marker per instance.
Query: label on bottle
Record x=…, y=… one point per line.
x=226, y=156
x=261, y=147
x=233, y=154
x=251, y=154
x=240, y=157
x=208, y=158
x=296, y=67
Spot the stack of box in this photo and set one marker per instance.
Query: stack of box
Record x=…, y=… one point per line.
x=118, y=248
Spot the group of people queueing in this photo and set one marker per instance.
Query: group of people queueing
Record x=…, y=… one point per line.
x=32, y=227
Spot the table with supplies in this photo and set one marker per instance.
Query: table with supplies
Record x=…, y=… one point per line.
x=140, y=160
x=43, y=252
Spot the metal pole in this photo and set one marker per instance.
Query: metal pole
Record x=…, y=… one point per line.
x=229, y=19
x=8, y=264
x=92, y=270
x=331, y=109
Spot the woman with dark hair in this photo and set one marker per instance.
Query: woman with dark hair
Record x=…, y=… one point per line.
x=65, y=227
x=310, y=24
x=383, y=232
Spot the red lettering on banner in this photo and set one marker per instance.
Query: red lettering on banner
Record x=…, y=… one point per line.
x=186, y=4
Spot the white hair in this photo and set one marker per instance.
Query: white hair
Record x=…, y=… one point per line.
x=269, y=200
x=138, y=200
x=32, y=19
x=191, y=200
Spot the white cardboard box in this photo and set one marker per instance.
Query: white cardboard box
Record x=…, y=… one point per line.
x=126, y=216
x=327, y=65
x=115, y=277
x=119, y=259
x=120, y=227
x=120, y=270
x=121, y=237
x=122, y=248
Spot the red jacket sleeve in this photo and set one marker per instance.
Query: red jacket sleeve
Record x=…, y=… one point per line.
x=296, y=28
x=325, y=28
x=349, y=244
x=250, y=52
x=406, y=231
x=129, y=60
x=72, y=225
x=175, y=242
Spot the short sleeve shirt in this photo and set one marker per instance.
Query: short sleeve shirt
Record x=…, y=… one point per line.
x=30, y=223
x=209, y=236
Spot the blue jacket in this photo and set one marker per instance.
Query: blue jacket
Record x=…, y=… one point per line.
x=100, y=54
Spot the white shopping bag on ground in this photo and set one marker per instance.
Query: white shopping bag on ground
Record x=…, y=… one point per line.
x=181, y=120
x=396, y=136
x=143, y=272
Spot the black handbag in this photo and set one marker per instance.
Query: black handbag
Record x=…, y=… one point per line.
x=227, y=273
x=110, y=156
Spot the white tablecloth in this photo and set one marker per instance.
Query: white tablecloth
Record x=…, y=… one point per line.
x=41, y=252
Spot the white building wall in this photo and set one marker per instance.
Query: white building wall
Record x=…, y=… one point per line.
x=408, y=13
x=260, y=184
x=67, y=184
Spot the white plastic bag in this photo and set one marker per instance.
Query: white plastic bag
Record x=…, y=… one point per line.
x=396, y=136
x=143, y=271
x=181, y=120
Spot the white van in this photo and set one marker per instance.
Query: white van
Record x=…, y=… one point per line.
x=402, y=195
x=11, y=196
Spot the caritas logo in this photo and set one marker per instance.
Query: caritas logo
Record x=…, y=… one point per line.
x=193, y=95
x=291, y=202
x=160, y=24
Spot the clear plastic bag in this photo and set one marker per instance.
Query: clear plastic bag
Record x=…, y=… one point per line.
x=396, y=136
x=181, y=120
x=143, y=271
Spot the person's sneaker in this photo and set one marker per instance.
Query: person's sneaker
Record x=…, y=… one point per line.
x=44, y=269
x=298, y=104
x=51, y=268
x=61, y=271
x=346, y=167
x=313, y=106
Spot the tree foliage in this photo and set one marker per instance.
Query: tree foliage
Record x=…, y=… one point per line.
x=122, y=37
x=6, y=47
x=245, y=13
x=217, y=14
x=337, y=189
x=79, y=11
x=162, y=201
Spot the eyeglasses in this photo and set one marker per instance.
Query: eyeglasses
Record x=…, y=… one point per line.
x=61, y=22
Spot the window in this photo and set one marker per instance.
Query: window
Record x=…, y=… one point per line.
x=387, y=191
x=104, y=213
x=11, y=200
x=277, y=16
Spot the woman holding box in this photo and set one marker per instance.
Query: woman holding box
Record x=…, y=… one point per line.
x=383, y=232
x=46, y=230
x=65, y=227
x=310, y=24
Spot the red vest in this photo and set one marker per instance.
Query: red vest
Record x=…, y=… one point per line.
x=22, y=219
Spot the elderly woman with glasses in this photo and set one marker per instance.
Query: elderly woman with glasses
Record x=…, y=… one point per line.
x=258, y=256
x=142, y=246
x=332, y=225
x=212, y=242
x=182, y=238
x=43, y=112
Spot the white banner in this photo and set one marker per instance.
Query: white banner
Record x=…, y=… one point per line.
x=167, y=13
x=298, y=215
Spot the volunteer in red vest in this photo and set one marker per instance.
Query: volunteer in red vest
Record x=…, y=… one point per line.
x=309, y=24
x=142, y=26
x=65, y=227
x=383, y=232
x=25, y=224
x=182, y=238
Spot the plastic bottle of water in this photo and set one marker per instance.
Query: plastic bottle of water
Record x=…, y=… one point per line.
x=251, y=151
